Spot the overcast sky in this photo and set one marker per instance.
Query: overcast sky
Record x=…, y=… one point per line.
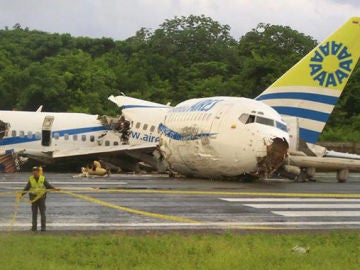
x=120, y=19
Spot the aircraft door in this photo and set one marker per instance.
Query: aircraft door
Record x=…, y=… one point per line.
x=4, y=129
x=46, y=130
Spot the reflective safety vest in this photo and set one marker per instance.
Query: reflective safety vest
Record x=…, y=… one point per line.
x=37, y=186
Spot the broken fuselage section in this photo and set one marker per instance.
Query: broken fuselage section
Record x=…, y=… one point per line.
x=223, y=137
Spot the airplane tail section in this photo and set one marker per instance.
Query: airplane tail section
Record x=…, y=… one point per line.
x=311, y=88
x=125, y=103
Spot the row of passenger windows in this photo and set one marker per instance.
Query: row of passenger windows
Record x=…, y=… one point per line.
x=144, y=127
x=56, y=136
x=28, y=134
x=189, y=116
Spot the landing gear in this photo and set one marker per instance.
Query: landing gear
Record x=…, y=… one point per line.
x=306, y=174
x=342, y=175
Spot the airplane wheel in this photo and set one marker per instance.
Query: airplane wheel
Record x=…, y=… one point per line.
x=301, y=178
x=342, y=175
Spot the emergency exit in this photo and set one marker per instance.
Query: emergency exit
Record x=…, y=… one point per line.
x=46, y=130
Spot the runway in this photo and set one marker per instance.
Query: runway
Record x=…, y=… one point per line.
x=156, y=202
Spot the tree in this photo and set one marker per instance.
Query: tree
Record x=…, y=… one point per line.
x=267, y=52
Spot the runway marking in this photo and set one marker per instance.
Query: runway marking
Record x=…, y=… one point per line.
x=317, y=213
x=239, y=193
x=304, y=206
x=130, y=210
x=288, y=203
x=288, y=200
x=224, y=193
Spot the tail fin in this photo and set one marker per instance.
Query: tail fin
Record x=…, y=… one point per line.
x=311, y=88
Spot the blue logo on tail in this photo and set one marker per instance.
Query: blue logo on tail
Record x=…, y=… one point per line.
x=331, y=64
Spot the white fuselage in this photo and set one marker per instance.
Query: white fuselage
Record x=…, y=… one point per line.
x=222, y=136
x=209, y=137
x=25, y=130
x=66, y=132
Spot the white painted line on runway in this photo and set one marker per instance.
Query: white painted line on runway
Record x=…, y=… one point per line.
x=288, y=200
x=317, y=213
x=304, y=206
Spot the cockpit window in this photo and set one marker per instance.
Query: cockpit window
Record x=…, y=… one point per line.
x=264, y=121
x=251, y=118
x=281, y=126
x=247, y=118
x=243, y=118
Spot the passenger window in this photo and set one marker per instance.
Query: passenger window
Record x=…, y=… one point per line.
x=83, y=138
x=75, y=137
x=107, y=143
x=92, y=138
x=38, y=135
x=152, y=129
x=138, y=125
x=66, y=136
x=145, y=126
x=22, y=134
x=56, y=136
x=13, y=133
x=116, y=143
x=29, y=134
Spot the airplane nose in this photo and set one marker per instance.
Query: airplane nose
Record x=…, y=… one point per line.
x=276, y=152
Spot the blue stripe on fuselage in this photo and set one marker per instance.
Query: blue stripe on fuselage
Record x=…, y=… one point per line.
x=26, y=139
x=300, y=96
x=179, y=137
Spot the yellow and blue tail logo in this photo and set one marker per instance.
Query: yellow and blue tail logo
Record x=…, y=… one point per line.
x=311, y=88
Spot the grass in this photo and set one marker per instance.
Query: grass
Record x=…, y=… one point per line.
x=229, y=250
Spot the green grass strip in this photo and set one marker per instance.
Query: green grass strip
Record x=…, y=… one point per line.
x=229, y=250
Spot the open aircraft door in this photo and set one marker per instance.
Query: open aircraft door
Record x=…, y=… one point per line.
x=46, y=130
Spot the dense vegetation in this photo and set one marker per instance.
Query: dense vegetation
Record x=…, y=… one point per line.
x=185, y=57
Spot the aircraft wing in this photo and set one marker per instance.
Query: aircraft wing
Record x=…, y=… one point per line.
x=324, y=163
x=83, y=151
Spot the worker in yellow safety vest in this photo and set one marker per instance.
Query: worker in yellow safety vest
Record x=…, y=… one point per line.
x=37, y=186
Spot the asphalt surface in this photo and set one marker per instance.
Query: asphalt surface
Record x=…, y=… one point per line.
x=156, y=202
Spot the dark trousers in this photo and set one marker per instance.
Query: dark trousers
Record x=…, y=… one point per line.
x=39, y=204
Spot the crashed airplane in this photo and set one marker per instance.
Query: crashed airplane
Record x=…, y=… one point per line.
x=222, y=136
x=207, y=137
